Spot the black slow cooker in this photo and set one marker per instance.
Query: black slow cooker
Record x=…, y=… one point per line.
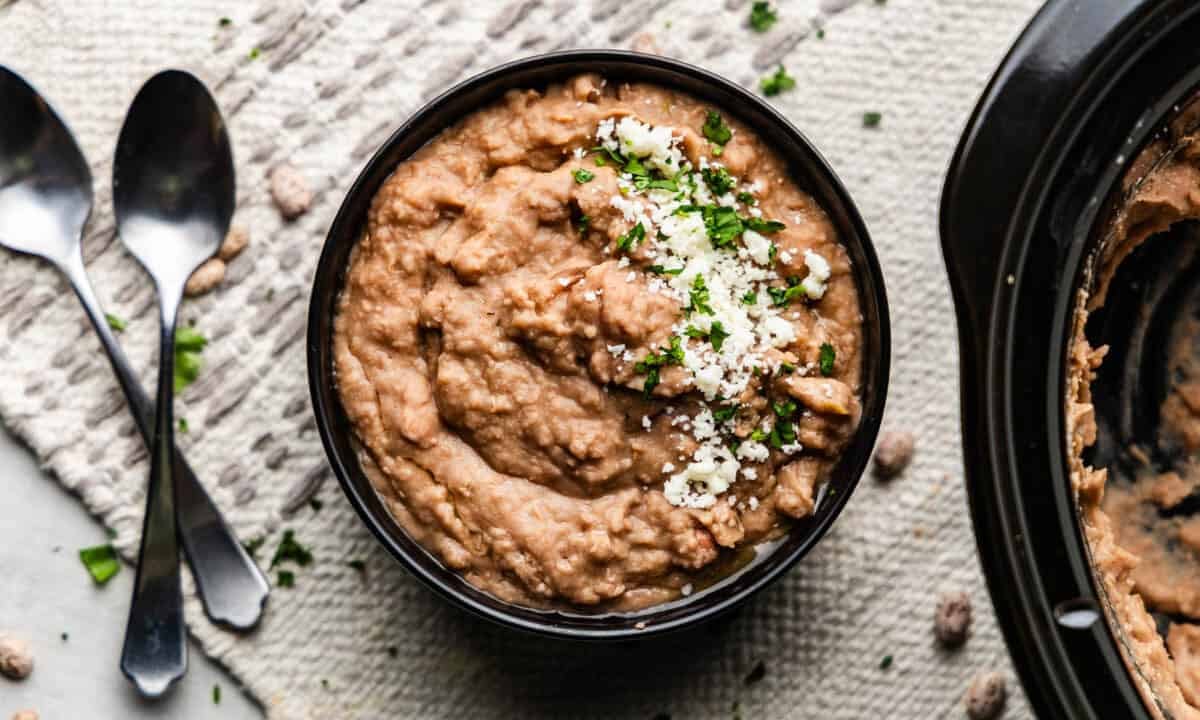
x=1085, y=88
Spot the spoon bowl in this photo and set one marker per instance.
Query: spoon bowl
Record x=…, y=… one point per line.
x=173, y=180
x=45, y=183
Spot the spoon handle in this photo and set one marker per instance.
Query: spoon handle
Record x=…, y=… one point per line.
x=232, y=588
x=155, y=650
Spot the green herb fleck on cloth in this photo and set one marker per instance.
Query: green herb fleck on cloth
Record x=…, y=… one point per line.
x=216, y=694
x=886, y=662
x=772, y=85
x=101, y=561
x=872, y=119
x=286, y=579
x=291, y=551
x=117, y=324
x=762, y=17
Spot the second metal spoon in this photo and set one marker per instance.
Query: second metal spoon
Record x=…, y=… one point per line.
x=173, y=193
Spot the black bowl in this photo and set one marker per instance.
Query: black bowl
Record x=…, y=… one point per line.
x=808, y=169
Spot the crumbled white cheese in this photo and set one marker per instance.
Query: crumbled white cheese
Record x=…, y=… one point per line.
x=753, y=501
x=590, y=295
x=686, y=590
x=818, y=275
x=646, y=423
x=668, y=468
x=616, y=350
x=579, y=153
x=712, y=470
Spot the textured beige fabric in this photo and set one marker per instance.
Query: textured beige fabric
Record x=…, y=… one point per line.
x=332, y=79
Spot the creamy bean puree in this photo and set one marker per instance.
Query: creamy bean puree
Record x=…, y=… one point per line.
x=1145, y=545
x=596, y=345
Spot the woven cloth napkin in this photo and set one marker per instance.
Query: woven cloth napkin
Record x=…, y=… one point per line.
x=320, y=84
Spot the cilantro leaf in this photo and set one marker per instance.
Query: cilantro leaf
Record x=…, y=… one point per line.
x=698, y=297
x=750, y=298
x=183, y=425
x=717, y=179
x=715, y=129
x=827, y=357
x=765, y=227
x=291, y=551
x=188, y=345
x=582, y=176
x=286, y=579
x=772, y=85
x=784, y=409
x=762, y=17
x=726, y=413
x=783, y=433
x=782, y=297
x=660, y=270
x=583, y=224
x=649, y=365
x=101, y=562
x=216, y=694
x=872, y=119
x=717, y=335
x=758, y=435
x=114, y=322
x=629, y=240
x=722, y=225
x=746, y=198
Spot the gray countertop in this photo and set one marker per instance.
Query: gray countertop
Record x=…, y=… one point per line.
x=47, y=592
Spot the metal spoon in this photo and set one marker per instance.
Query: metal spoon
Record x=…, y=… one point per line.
x=173, y=192
x=45, y=199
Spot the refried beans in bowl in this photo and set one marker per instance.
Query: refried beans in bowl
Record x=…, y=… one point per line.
x=595, y=348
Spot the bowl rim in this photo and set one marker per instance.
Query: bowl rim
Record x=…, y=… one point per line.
x=346, y=227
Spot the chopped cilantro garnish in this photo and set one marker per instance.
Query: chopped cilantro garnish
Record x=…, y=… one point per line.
x=629, y=240
x=774, y=84
x=872, y=119
x=290, y=550
x=762, y=17
x=722, y=225
x=750, y=298
x=649, y=365
x=782, y=297
x=782, y=434
x=758, y=435
x=715, y=129
x=660, y=270
x=746, y=198
x=787, y=368
x=772, y=252
x=582, y=176
x=101, y=561
x=766, y=227
x=725, y=413
x=114, y=322
x=717, y=179
x=717, y=335
x=633, y=166
x=827, y=358
x=583, y=223
x=784, y=409
x=286, y=579
x=698, y=296
x=252, y=546
x=646, y=183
